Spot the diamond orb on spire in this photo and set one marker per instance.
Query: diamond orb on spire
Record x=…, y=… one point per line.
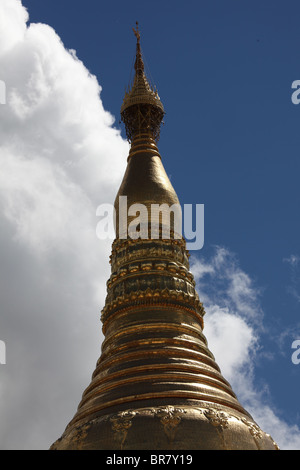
x=137, y=32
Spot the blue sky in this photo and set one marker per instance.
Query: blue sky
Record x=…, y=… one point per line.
x=231, y=141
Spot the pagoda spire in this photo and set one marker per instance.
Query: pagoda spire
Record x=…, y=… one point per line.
x=156, y=384
x=142, y=109
x=139, y=64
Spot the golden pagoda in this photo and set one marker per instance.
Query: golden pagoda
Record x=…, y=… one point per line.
x=156, y=384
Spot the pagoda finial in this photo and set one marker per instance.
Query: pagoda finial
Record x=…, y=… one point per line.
x=141, y=110
x=139, y=64
x=137, y=32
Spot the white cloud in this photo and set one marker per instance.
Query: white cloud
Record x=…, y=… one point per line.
x=12, y=24
x=230, y=340
x=233, y=325
x=60, y=158
x=293, y=260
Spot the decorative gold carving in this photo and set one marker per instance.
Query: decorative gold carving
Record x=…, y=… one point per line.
x=217, y=418
x=145, y=249
x=170, y=417
x=254, y=430
x=152, y=280
x=155, y=296
x=121, y=424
